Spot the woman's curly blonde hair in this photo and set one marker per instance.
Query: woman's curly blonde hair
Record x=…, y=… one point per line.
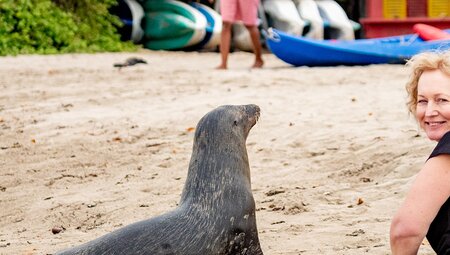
x=426, y=61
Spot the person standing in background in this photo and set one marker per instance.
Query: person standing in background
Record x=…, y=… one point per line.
x=247, y=12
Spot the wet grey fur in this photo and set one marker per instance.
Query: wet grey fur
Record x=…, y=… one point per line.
x=216, y=213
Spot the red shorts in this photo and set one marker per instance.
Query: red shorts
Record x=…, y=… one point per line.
x=244, y=10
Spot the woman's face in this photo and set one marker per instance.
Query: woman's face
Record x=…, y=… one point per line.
x=433, y=104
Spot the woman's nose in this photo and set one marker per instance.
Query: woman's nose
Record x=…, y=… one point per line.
x=432, y=109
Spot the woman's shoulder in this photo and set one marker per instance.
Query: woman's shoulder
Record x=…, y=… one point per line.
x=443, y=146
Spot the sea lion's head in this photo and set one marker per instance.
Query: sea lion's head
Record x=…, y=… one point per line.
x=227, y=123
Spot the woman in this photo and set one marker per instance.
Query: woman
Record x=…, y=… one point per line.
x=426, y=209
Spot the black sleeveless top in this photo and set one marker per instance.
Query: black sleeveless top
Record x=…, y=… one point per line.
x=439, y=232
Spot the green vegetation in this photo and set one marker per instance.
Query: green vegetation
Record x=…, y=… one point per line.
x=59, y=26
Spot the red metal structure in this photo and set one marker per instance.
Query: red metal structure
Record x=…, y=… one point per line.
x=395, y=17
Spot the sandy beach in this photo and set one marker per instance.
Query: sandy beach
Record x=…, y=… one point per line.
x=88, y=148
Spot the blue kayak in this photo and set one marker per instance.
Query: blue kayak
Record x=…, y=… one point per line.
x=302, y=51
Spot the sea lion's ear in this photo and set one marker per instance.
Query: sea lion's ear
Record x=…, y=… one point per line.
x=201, y=138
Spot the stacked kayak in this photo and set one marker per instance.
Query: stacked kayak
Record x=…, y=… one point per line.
x=213, y=27
x=302, y=51
x=173, y=25
x=170, y=24
x=336, y=23
x=283, y=15
x=317, y=19
x=130, y=13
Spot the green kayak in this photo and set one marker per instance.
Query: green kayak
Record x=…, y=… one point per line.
x=171, y=25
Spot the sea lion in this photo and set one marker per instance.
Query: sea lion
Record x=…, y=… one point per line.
x=216, y=213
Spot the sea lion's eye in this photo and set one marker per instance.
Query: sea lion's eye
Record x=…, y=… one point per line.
x=235, y=122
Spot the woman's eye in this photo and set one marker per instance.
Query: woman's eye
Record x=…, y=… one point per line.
x=442, y=100
x=422, y=101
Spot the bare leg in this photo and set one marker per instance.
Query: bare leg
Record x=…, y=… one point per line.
x=225, y=41
x=257, y=49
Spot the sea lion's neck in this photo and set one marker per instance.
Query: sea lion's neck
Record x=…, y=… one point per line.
x=216, y=170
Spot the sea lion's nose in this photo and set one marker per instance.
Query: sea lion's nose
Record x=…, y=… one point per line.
x=253, y=109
